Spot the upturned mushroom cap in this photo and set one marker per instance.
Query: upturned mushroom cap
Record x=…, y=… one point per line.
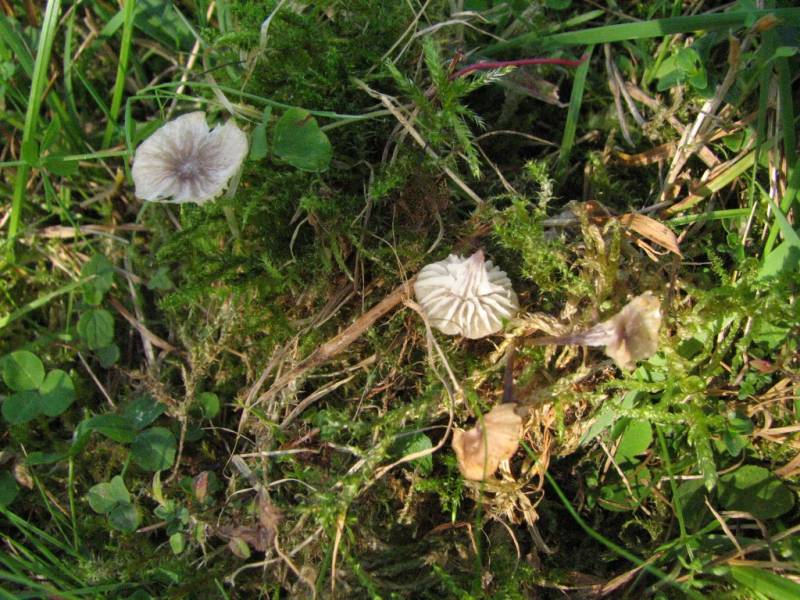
x=481, y=449
x=630, y=335
x=636, y=327
x=185, y=161
x=466, y=296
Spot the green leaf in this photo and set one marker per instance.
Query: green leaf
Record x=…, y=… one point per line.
x=115, y=427
x=143, y=411
x=300, y=142
x=8, y=488
x=60, y=167
x=784, y=257
x=755, y=490
x=44, y=458
x=160, y=280
x=692, y=496
x=558, y=4
x=22, y=407
x=57, y=393
x=124, y=518
x=96, y=327
x=769, y=584
x=105, y=496
x=154, y=449
x=177, y=542
x=209, y=404
x=100, y=273
x=615, y=496
x=107, y=355
x=258, y=141
x=23, y=371
x=416, y=443
x=636, y=438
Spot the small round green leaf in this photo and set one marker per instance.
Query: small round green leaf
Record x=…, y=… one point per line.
x=755, y=490
x=300, y=142
x=124, y=518
x=177, y=542
x=22, y=407
x=144, y=410
x=209, y=403
x=636, y=438
x=105, y=496
x=57, y=393
x=107, y=355
x=99, y=273
x=23, y=371
x=154, y=449
x=96, y=327
x=8, y=488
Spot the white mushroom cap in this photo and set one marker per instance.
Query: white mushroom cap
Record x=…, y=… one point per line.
x=466, y=296
x=481, y=449
x=185, y=161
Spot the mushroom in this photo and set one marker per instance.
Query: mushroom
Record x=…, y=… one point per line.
x=481, y=449
x=185, y=161
x=466, y=296
x=629, y=336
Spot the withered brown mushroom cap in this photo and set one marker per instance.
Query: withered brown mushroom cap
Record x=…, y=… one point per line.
x=634, y=331
x=479, y=453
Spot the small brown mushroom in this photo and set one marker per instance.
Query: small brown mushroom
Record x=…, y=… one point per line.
x=629, y=336
x=481, y=449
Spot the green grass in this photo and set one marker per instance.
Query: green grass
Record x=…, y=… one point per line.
x=196, y=401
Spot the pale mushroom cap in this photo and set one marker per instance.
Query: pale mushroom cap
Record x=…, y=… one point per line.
x=480, y=454
x=466, y=296
x=636, y=327
x=185, y=161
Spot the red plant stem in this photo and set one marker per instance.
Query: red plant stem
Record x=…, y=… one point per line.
x=499, y=64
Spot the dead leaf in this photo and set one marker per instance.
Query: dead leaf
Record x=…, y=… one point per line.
x=22, y=475
x=200, y=486
x=648, y=157
x=653, y=230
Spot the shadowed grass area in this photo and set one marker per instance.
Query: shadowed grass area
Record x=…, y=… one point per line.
x=243, y=399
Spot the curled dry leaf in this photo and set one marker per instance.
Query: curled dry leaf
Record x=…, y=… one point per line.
x=481, y=449
x=466, y=296
x=651, y=229
x=200, y=486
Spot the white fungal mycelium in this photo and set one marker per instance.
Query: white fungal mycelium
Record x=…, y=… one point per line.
x=466, y=296
x=481, y=449
x=186, y=161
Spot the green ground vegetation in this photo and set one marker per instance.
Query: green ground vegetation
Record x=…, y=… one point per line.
x=174, y=422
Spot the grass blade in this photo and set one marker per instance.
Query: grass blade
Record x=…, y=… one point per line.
x=643, y=29
x=122, y=68
x=39, y=79
x=771, y=585
x=574, y=111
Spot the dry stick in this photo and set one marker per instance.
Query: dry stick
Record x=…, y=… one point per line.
x=613, y=84
x=143, y=331
x=96, y=380
x=137, y=309
x=418, y=138
x=341, y=341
